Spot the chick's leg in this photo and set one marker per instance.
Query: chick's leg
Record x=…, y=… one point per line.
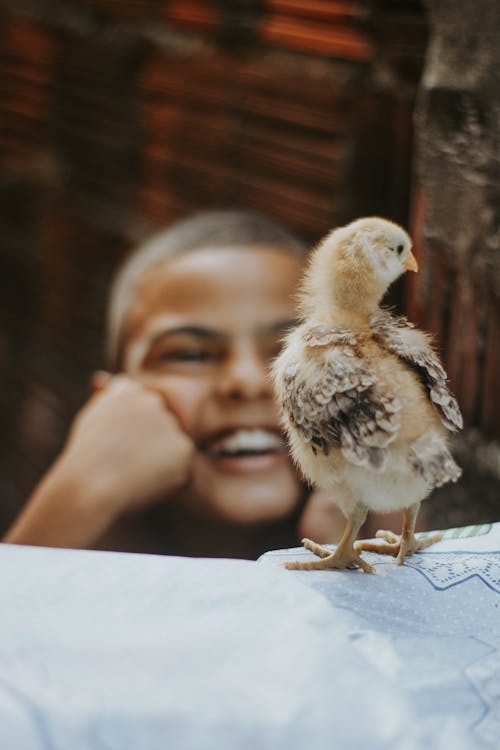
x=344, y=556
x=404, y=545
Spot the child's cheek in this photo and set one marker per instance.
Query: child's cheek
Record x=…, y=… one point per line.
x=186, y=397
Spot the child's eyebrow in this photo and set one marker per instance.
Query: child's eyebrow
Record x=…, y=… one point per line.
x=190, y=330
x=213, y=335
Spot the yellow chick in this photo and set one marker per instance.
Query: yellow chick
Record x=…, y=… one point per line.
x=364, y=398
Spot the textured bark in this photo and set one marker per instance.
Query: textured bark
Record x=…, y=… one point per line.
x=456, y=221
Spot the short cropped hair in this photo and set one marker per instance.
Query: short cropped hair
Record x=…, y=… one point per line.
x=203, y=230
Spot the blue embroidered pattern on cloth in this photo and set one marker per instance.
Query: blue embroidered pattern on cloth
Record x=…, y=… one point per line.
x=444, y=570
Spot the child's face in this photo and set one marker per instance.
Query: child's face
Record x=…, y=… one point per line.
x=203, y=328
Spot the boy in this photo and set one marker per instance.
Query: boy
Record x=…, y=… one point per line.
x=180, y=451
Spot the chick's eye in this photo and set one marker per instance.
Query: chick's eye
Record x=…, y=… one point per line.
x=399, y=249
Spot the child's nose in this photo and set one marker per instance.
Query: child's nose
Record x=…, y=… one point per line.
x=245, y=375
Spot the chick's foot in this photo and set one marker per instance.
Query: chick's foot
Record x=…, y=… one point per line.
x=339, y=559
x=400, y=546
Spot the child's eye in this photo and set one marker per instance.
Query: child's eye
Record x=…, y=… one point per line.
x=179, y=357
x=185, y=355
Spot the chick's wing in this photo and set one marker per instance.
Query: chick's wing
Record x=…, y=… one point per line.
x=333, y=401
x=396, y=335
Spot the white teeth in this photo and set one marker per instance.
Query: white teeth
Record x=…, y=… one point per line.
x=248, y=441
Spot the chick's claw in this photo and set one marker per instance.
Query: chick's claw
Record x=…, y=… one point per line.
x=316, y=548
x=400, y=547
x=388, y=536
x=339, y=559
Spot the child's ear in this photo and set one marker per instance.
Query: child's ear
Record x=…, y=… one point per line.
x=99, y=380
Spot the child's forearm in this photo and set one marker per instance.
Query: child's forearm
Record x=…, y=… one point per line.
x=64, y=511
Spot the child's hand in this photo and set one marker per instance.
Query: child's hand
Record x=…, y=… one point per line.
x=129, y=446
x=125, y=450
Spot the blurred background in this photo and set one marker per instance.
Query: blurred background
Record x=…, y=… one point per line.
x=119, y=116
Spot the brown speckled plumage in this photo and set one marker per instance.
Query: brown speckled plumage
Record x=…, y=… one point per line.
x=340, y=405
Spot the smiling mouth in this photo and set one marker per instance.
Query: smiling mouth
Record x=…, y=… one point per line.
x=246, y=443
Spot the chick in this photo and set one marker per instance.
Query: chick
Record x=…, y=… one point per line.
x=363, y=396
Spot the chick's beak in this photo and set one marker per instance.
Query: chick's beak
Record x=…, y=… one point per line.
x=411, y=263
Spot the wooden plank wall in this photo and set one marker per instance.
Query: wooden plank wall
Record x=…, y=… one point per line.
x=119, y=116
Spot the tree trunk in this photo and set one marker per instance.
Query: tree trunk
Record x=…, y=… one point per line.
x=456, y=225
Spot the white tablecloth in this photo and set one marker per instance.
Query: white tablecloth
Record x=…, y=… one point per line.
x=137, y=652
